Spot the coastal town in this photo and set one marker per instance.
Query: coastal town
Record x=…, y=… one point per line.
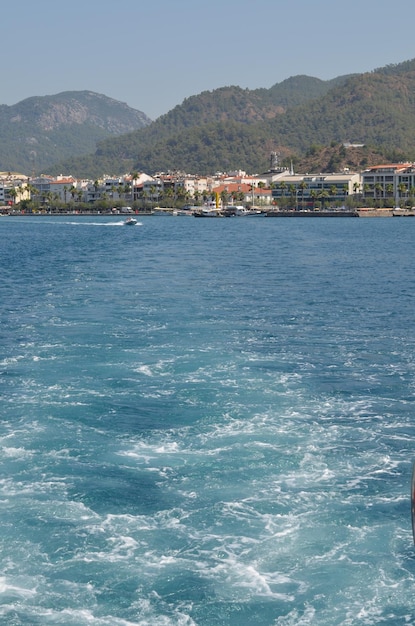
x=382, y=190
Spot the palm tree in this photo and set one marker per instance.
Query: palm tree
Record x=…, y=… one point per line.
x=283, y=186
x=181, y=193
x=153, y=191
x=144, y=195
x=48, y=200
x=303, y=186
x=293, y=194
x=378, y=189
x=25, y=190
x=187, y=196
x=333, y=191
x=134, y=175
x=127, y=189
x=168, y=193
x=402, y=189
x=224, y=196
x=196, y=196
x=323, y=194
x=13, y=194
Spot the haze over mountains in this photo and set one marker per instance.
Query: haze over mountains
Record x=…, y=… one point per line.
x=87, y=134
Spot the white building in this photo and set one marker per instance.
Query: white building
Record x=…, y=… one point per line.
x=305, y=190
x=393, y=181
x=62, y=188
x=137, y=184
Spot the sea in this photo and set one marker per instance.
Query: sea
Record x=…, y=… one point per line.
x=206, y=422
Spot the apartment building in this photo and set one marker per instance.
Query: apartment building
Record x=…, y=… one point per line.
x=393, y=181
x=305, y=190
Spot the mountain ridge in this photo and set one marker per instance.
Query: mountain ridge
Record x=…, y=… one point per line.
x=203, y=135
x=159, y=143
x=38, y=131
x=226, y=128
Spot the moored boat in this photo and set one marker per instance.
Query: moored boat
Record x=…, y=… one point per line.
x=208, y=212
x=398, y=212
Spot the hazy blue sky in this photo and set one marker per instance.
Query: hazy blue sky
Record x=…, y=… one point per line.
x=152, y=55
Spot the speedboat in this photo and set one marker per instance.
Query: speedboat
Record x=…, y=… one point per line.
x=130, y=221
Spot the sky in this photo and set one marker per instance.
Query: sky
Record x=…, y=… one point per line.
x=154, y=54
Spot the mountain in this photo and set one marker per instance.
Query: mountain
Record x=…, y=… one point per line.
x=191, y=126
x=242, y=105
x=40, y=131
x=234, y=128
x=376, y=108
x=299, y=89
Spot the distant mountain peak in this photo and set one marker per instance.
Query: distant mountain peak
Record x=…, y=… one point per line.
x=63, y=125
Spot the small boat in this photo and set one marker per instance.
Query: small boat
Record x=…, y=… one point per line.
x=158, y=210
x=208, y=212
x=130, y=221
x=398, y=212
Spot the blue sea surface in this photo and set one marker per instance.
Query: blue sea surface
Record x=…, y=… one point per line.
x=206, y=422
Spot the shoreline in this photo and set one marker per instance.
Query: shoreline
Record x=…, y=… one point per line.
x=360, y=212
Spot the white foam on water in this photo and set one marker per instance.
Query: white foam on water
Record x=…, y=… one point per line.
x=298, y=618
x=12, y=360
x=272, y=481
x=10, y=487
x=16, y=453
x=240, y=581
x=86, y=617
x=85, y=223
x=13, y=590
x=144, y=369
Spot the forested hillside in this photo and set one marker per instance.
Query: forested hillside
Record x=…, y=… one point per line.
x=210, y=111
x=40, y=131
x=232, y=128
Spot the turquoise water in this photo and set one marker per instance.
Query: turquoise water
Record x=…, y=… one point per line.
x=206, y=422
